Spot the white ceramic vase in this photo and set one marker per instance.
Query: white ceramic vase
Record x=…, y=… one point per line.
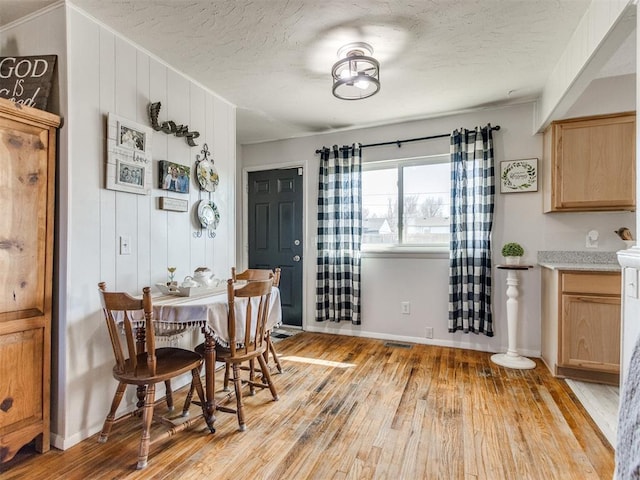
x=512, y=260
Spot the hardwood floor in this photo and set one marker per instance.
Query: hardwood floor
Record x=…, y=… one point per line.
x=355, y=408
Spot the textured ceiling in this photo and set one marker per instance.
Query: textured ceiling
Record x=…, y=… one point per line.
x=272, y=58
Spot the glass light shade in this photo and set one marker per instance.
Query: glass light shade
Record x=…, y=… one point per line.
x=356, y=76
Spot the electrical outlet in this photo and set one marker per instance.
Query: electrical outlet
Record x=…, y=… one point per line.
x=429, y=332
x=405, y=308
x=592, y=239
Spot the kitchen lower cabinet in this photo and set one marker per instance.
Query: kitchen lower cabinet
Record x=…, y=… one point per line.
x=581, y=324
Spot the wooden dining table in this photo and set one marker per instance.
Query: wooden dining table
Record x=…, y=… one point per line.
x=208, y=311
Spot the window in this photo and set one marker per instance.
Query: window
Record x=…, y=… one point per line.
x=406, y=202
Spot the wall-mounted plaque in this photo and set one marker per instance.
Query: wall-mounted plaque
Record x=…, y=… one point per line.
x=173, y=204
x=27, y=80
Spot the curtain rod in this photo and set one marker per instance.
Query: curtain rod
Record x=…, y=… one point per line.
x=400, y=142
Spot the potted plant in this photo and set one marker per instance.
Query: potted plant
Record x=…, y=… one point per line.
x=512, y=252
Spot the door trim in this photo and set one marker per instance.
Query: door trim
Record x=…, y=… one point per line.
x=244, y=247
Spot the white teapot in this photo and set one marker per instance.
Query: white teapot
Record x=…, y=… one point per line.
x=204, y=277
x=189, y=282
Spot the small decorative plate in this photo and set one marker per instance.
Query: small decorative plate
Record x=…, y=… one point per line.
x=208, y=214
x=207, y=175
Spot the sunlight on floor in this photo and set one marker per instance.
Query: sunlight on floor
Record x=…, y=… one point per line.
x=316, y=361
x=601, y=401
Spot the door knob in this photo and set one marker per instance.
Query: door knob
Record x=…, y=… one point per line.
x=296, y=258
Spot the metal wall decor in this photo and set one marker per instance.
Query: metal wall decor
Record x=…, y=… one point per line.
x=206, y=172
x=206, y=210
x=169, y=127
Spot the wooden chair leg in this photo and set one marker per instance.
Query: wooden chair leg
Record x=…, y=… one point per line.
x=188, y=398
x=169, y=395
x=141, y=393
x=252, y=377
x=197, y=383
x=111, y=416
x=147, y=416
x=267, y=376
x=237, y=383
x=272, y=349
x=226, y=378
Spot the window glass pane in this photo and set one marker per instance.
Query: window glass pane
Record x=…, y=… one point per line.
x=425, y=193
x=380, y=206
x=426, y=200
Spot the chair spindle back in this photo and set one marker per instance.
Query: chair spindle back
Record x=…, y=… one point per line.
x=119, y=312
x=258, y=296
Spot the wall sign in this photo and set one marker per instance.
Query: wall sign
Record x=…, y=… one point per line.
x=173, y=204
x=27, y=80
x=519, y=175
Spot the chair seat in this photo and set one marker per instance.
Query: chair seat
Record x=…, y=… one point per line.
x=223, y=353
x=170, y=362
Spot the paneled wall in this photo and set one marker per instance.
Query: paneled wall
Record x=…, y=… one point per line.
x=104, y=73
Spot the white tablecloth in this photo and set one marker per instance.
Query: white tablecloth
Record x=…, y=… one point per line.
x=210, y=311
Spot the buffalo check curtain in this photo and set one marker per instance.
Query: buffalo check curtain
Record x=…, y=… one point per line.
x=472, y=197
x=339, y=235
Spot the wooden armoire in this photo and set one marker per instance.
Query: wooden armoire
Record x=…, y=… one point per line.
x=27, y=181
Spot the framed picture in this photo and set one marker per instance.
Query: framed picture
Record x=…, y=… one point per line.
x=174, y=177
x=130, y=175
x=130, y=137
x=519, y=175
x=128, y=167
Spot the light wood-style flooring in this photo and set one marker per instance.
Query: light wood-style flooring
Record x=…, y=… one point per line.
x=357, y=408
x=601, y=402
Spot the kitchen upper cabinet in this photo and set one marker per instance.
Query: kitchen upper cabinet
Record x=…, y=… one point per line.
x=589, y=164
x=27, y=174
x=581, y=324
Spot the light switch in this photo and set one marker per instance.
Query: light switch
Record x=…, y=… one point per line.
x=125, y=245
x=631, y=282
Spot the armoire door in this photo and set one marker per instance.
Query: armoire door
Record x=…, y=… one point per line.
x=27, y=168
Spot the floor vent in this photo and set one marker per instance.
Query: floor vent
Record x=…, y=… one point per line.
x=397, y=345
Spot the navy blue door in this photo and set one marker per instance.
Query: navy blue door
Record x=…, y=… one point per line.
x=275, y=233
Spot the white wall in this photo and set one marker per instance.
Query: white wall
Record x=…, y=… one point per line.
x=388, y=280
x=630, y=262
x=106, y=73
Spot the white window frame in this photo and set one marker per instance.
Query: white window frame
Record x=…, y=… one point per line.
x=401, y=249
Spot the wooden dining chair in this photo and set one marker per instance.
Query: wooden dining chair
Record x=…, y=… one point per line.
x=246, y=344
x=139, y=362
x=250, y=275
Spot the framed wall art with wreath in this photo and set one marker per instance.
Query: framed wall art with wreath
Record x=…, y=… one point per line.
x=519, y=175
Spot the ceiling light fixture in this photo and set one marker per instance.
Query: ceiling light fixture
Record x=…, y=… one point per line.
x=357, y=74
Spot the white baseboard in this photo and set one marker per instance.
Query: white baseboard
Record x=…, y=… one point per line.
x=423, y=341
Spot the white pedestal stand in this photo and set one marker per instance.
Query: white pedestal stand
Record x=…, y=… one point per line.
x=512, y=359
